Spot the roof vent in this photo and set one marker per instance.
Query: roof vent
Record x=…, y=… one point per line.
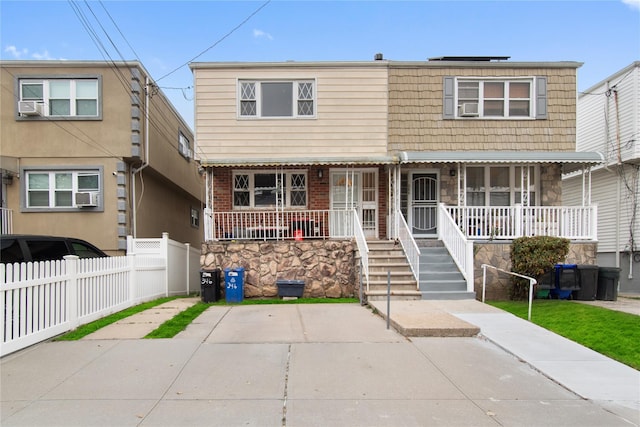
x=378, y=57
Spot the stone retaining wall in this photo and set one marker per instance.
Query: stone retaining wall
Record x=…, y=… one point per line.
x=498, y=254
x=328, y=267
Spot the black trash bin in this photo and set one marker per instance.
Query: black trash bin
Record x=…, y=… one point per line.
x=608, y=278
x=210, y=285
x=290, y=288
x=588, y=279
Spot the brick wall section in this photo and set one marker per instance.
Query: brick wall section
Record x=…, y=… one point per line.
x=416, y=123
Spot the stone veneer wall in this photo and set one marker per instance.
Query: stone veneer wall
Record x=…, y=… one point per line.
x=498, y=254
x=328, y=267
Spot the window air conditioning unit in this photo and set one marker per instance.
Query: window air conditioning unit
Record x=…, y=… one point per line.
x=30, y=108
x=469, y=109
x=87, y=199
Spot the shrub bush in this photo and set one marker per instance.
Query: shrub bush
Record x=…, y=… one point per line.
x=533, y=256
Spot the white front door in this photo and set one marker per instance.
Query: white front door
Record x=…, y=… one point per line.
x=357, y=189
x=423, y=209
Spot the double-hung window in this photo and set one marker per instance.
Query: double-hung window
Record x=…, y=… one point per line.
x=276, y=99
x=63, y=97
x=501, y=185
x=184, y=146
x=495, y=98
x=266, y=189
x=62, y=189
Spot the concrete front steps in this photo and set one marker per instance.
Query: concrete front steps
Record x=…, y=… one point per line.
x=440, y=277
x=387, y=256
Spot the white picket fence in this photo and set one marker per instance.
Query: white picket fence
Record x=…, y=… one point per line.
x=44, y=299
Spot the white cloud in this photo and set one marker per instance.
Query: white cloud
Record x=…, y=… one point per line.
x=261, y=34
x=633, y=4
x=15, y=52
x=41, y=56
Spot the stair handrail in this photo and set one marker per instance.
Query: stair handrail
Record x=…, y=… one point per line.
x=532, y=283
x=459, y=247
x=363, y=248
x=409, y=245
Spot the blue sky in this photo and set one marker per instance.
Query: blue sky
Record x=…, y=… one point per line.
x=165, y=35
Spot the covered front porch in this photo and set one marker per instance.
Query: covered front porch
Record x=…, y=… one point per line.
x=458, y=198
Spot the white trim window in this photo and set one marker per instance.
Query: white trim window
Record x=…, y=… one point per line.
x=63, y=97
x=495, y=98
x=276, y=99
x=501, y=185
x=195, y=218
x=59, y=189
x=516, y=98
x=184, y=146
x=267, y=189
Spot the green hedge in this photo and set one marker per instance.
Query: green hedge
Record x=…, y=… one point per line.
x=533, y=256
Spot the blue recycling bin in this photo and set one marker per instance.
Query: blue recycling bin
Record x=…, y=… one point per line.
x=234, y=284
x=566, y=281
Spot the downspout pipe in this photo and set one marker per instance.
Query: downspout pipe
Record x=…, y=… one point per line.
x=145, y=163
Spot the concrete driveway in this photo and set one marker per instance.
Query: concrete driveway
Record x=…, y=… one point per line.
x=288, y=365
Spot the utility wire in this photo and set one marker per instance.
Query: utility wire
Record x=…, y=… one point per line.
x=219, y=40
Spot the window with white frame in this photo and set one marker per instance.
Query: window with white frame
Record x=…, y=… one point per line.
x=500, y=98
x=184, y=146
x=276, y=99
x=61, y=189
x=268, y=189
x=63, y=97
x=500, y=185
x=195, y=218
x=495, y=98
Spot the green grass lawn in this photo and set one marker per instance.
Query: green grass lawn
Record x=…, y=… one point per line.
x=612, y=333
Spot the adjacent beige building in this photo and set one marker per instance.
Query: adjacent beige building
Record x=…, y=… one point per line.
x=95, y=150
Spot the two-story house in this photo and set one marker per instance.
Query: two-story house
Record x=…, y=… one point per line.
x=452, y=151
x=94, y=150
x=608, y=121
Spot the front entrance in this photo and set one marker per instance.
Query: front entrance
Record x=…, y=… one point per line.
x=357, y=189
x=423, y=204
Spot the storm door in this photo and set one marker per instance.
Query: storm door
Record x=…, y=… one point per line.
x=423, y=212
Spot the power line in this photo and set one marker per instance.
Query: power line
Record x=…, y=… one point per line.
x=219, y=40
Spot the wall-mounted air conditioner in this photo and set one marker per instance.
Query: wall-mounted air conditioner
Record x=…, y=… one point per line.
x=87, y=199
x=30, y=108
x=469, y=109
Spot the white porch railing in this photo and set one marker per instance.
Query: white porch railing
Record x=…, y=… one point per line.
x=6, y=221
x=460, y=248
x=409, y=245
x=279, y=225
x=363, y=248
x=510, y=222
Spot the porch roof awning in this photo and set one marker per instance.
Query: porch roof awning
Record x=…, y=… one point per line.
x=300, y=161
x=572, y=160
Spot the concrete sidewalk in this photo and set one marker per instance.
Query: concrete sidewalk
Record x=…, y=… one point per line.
x=324, y=364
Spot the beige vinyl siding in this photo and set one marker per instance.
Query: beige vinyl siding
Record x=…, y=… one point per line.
x=416, y=113
x=350, y=120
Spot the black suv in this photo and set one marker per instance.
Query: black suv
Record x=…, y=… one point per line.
x=26, y=248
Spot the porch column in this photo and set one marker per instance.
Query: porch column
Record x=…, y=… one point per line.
x=397, y=191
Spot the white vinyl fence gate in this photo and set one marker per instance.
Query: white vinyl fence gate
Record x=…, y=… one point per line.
x=43, y=299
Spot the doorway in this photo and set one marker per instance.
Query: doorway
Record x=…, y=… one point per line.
x=423, y=203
